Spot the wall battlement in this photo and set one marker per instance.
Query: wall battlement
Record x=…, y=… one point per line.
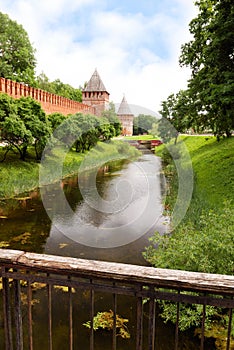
x=50, y=103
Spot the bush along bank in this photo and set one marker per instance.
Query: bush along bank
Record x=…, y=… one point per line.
x=18, y=177
x=204, y=240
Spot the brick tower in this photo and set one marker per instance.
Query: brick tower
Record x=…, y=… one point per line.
x=95, y=94
x=126, y=118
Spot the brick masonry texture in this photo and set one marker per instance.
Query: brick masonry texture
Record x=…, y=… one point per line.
x=50, y=103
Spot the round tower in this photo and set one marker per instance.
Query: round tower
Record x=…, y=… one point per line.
x=126, y=118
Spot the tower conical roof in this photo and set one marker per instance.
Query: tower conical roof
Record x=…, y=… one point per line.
x=124, y=108
x=95, y=83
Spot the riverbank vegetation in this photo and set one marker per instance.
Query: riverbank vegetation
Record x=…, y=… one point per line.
x=24, y=124
x=204, y=240
x=18, y=177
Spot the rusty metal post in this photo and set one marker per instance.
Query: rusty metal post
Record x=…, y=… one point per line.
x=18, y=315
x=7, y=314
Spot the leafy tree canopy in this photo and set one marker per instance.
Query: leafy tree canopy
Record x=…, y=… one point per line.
x=17, y=56
x=143, y=123
x=176, y=116
x=23, y=123
x=114, y=121
x=210, y=55
x=58, y=87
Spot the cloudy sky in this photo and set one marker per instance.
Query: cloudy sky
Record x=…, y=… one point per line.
x=134, y=44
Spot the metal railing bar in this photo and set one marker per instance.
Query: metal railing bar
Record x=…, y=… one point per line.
x=7, y=314
x=18, y=315
x=177, y=324
x=139, y=329
x=229, y=329
x=203, y=327
x=170, y=296
x=151, y=327
x=49, y=296
x=91, y=317
x=114, y=319
x=29, y=305
x=70, y=319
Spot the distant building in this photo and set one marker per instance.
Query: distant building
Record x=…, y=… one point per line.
x=126, y=118
x=95, y=95
x=95, y=99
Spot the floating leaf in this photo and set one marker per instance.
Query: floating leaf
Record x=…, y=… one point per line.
x=23, y=238
x=38, y=285
x=62, y=245
x=65, y=289
x=4, y=244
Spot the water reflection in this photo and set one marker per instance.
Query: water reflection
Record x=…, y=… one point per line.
x=127, y=207
x=24, y=223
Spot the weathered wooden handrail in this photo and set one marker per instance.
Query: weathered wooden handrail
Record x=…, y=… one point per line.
x=164, y=278
x=19, y=267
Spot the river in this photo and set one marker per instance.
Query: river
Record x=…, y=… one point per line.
x=106, y=214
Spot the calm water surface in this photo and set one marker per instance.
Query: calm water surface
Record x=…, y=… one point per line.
x=91, y=229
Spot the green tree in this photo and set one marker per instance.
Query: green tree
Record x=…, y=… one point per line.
x=35, y=121
x=12, y=129
x=56, y=119
x=154, y=131
x=58, y=87
x=17, y=56
x=90, y=134
x=42, y=82
x=210, y=54
x=143, y=123
x=7, y=106
x=114, y=121
x=23, y=123
x=15, y=134
x=105, y=128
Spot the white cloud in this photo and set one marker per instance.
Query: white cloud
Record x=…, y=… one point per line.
x=135, y=53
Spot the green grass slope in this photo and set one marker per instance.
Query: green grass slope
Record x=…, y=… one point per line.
x=213, y=165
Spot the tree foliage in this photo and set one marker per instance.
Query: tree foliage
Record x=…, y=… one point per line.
x=58, y=87
x=211, y=57
x=35, y=121
x=23, y=123
x=17, y=56
x=175, y=114
x=143, y=123
x=207, y=247
x=81, y=130
x=111, y=116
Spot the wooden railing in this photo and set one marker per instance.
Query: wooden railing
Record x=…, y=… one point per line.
x=19, y=271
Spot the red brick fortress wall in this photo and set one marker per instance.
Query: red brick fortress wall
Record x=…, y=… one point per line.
x=50, y=103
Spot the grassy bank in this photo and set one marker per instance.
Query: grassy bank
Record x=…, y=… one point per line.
x=18, y=177
x=139, y=137
x=204, y=240
x=213, y=168
x=213, y=164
